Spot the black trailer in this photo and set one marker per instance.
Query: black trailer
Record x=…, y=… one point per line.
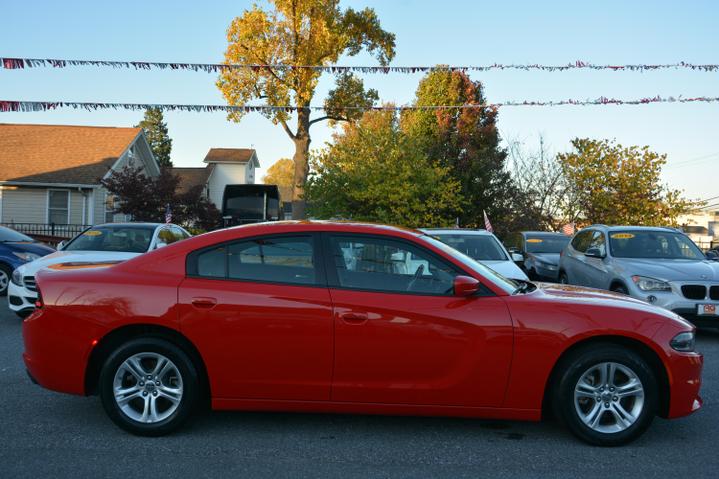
x=242, y=204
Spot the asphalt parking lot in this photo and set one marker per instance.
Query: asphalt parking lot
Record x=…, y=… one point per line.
x=44, y=434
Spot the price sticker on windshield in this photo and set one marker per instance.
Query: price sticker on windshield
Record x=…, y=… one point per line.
x=535, y=240
x=92, y=233
x=706, y=309
x=622, y=236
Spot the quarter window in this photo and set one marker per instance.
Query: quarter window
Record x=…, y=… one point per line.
x=582, y=240
x=388, y=265
x=57, y=207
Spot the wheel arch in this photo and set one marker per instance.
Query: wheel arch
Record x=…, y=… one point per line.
x=112, y=340
x=646, y=352
x=617, y=282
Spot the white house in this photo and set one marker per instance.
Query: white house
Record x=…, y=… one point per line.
x=50, y=174
x=224, y=166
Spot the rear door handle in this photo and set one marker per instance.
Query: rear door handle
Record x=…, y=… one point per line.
x=204, y=302
x=354, y=318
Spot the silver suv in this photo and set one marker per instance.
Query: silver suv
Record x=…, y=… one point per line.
x=661, y=266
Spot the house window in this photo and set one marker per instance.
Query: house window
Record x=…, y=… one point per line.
x=58, y=207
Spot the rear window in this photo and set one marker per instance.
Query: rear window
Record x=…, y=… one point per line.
x=274, y=260
x=478, y=247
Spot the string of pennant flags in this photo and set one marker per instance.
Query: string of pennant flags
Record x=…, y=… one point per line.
x=20, y=63
x=34, y=106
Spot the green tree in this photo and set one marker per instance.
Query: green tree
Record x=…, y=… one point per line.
x=300, y=32
x=621, y=185
x=156, y=132
x=375, y=172
x=466, y=141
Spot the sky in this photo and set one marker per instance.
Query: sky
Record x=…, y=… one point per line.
x=454, y=32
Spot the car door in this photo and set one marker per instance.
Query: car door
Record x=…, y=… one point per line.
x=595, y=268
x=402, y=337
x=575, y=261
x=260, y=312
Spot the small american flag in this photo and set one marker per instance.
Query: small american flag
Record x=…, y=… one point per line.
x=568, y=229
x=168, y=214
x=487, y=224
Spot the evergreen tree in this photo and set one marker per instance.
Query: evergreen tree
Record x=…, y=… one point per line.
x=156, y=133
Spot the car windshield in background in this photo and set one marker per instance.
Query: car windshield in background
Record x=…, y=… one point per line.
x=546, y=244
x=506, y=284
x=127, y=239
x=653, y=244
x=479, y=247
x=8, y=235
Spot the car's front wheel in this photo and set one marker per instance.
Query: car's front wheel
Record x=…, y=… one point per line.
x=606, y=395
x=5, y=274
x=563, y=278
x=148, y=386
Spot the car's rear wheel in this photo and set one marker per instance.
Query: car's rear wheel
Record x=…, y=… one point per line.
x=148, y=386
x=606, y=395
x=5, y=274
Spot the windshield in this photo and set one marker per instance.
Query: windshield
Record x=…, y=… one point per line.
x=545, y=244
x=653, y=244
x=129, y=239
x=506, y=284
x=479, y=247
x=8, y=235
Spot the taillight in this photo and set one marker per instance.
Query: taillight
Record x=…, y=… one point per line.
x=38, y=302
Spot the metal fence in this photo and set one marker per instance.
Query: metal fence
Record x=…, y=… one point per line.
x=47, y=231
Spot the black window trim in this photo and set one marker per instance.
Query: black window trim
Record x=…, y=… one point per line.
x=317, y=259
x=333, y=279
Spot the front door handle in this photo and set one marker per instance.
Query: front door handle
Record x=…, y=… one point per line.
x=354, y=318
x=204, y=302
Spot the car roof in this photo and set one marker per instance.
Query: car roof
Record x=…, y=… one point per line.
x=636, y=228
x=131, y=223
x=449, y=231
x=272, y=227
x=543, y=233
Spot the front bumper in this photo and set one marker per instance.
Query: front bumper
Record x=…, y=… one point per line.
x=20, y=299
x=684, y=370
x=676, y=302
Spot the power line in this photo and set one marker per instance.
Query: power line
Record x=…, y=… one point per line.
x=696, y=160
x=13, y=63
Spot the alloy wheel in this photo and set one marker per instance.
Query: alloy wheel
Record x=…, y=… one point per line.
x=148, y=387
x=609, y=397
x=4, y=280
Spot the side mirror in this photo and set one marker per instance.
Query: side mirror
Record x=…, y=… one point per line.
x=61, y=245
x=517, y=258
x=513, y=250
x=160, y=244
x=465, y=286
x=594, y=253
x=712, y=255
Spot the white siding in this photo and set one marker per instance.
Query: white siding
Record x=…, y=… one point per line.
x=225, y=174
x=24, y=205
x=75, y=208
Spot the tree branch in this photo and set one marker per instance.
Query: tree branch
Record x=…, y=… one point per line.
x=328, y=117
x=287, y=129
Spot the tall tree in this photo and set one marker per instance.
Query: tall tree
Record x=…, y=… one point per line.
x=466, y=141
x=281, y=173
x=156, y=132
x=375, y=172
x=621, y=185
x=296, y=33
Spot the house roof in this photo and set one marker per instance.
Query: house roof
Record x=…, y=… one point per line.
x=60, y=153
x=230, y=155
x=191, y=177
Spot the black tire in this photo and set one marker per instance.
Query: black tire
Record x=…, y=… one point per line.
x=7, y=272
x=532, y=274
x=563, y=278
x=188, y=379
x=620, y=288
x=572, y=370
x=24, y=313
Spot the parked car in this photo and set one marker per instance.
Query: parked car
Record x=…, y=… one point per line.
x=483, y=246
x=98, y=245
x=17, y=249
x=353, y=318
x=700, y=235
x=540, y=251
x=660, y=266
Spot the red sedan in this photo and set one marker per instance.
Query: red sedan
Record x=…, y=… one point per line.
x=353, y=318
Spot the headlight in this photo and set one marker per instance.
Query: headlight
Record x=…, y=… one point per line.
x=651, y=284
x=16, y=277
x=683, y=342
x=26, y=256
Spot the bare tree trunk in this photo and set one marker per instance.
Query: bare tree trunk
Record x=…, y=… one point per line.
x=301, y=158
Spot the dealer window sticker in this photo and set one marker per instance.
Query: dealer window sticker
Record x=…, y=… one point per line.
x=622, y=236
x=92, y=233
x=535, y=240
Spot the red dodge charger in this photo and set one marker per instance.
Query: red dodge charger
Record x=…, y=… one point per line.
x=353, y=318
